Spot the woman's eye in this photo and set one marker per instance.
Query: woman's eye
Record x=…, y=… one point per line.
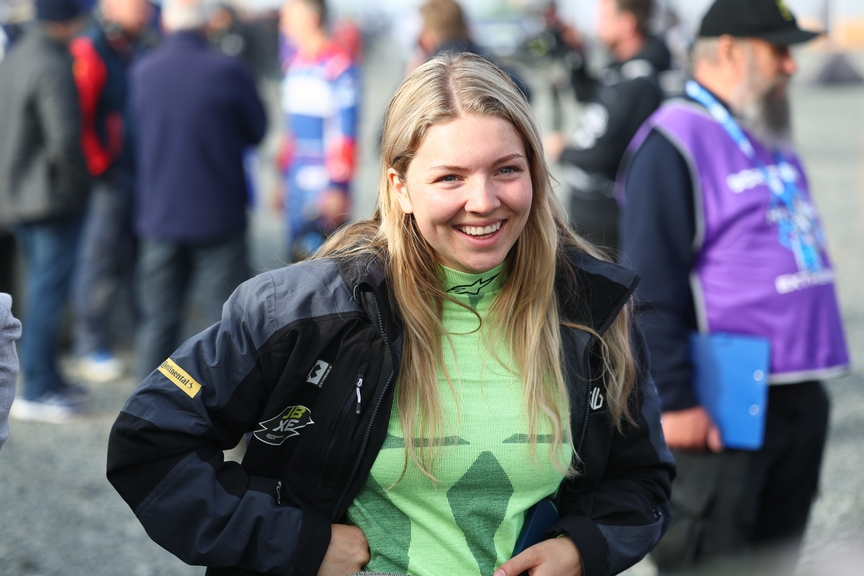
x=448, y=178
x=510, y=170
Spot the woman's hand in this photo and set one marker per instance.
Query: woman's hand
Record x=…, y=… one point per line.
x=348, y=551
x=554, y=557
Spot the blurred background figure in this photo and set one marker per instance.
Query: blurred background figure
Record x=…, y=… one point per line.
x=13, y=15
x=195, y=112
x=720, y=224
x=615, y=105
x=231, y=35
x=43, y=187
x=444, y=29
x=106, y=261
x=347, y=33
x=557, y=45
x=10, y=331
x=320, y=101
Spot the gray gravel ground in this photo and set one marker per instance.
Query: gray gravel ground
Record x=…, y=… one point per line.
x=59, y=516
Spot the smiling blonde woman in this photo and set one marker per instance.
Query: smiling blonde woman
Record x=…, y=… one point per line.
x=413, y=391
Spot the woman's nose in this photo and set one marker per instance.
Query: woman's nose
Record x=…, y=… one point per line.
x=482, y=197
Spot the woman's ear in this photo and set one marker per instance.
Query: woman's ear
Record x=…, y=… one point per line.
x=401, y=190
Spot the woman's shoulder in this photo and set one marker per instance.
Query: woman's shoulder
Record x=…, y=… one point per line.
x=303, y=290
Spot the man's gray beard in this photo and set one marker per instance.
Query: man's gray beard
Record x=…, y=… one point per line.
x=769, y=120
x=764, y=113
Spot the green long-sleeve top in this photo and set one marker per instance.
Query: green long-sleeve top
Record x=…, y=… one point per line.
x=468, y=522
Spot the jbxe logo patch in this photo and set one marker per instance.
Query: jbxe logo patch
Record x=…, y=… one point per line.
x=276, y=430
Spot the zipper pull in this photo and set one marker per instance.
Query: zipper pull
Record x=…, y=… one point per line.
x=359, y=385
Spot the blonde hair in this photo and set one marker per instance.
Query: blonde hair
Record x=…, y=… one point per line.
x=526, y=309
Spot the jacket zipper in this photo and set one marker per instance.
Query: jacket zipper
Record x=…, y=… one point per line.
x=588, y=352
x=358, y=386
x=334, y=428
x=381, y=396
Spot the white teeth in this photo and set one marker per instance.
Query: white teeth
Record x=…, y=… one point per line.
x=480, y=230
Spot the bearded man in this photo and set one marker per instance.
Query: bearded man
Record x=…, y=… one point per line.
x=718, y=221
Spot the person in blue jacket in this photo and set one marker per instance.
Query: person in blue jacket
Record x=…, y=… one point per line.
x=321, y=103
x=196, y=111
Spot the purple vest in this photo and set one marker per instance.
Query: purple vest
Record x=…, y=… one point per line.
x=761, y=265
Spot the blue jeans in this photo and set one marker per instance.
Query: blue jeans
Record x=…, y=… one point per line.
x=166, y=270
x=106, y=262
x=50, y=248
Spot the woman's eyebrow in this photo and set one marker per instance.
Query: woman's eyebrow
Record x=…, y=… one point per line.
x=454, y=168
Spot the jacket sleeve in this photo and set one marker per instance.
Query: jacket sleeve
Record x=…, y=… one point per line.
x=618, y=523
x=165, y=452
x=57, y=105
x=657, y=227
x=10, y=331
x=251, y=114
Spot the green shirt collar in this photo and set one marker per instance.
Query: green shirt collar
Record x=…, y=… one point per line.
x=471, y=288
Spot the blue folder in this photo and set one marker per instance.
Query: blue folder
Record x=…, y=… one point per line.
x=731, y=382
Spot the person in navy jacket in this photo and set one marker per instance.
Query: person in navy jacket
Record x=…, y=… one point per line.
x=196, y=112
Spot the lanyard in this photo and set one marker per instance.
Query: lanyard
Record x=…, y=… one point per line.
x=804, y=241
x=784, y=188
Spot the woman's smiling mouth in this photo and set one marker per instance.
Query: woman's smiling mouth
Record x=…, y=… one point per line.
x=480, y=231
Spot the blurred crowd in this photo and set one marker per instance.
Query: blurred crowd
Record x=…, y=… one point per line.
x=123, y=179
x=128, y=135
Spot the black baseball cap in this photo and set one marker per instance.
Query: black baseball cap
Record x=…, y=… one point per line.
x=770, y=20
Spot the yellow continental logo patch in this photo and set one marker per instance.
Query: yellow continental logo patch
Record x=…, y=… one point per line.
x=179, y=376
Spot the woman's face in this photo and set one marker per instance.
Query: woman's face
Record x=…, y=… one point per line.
x=469, y=189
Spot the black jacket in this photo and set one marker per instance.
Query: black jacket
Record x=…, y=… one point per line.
x=615, y=105
x=284, y=363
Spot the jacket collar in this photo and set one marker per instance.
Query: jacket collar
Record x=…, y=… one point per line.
x=187, y=38
x=602, y=288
